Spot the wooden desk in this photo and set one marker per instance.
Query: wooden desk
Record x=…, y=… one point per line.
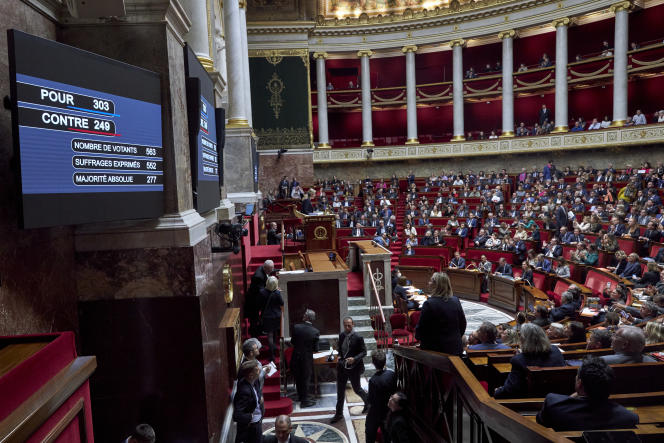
x=324, y=290
x=320, y=363
x=466, y=284
x=505, y=292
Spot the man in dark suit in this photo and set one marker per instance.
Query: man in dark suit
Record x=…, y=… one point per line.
x=248, y=407
x=589, y=407
x=503, y=269
x=553, y=249
x=633, y=267
x=307, y=207
x=561, y=216
x=458, y=261
x=305, y=342
x=252, y=304
x=544, y=115
x=381, y=386
x=283, y=432
x=350, y=366
x=567, y=308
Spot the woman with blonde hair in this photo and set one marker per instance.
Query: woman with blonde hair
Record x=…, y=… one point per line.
x=654, y=332
x=271, y=313
x=442, y=320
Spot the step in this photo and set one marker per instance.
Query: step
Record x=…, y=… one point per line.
x=274, y=408
x=271, y=392
x=356, y=301
x=363, y=310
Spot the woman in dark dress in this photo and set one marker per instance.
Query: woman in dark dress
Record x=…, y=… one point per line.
x=536, y=350
x=271, y=314
x=442, y=321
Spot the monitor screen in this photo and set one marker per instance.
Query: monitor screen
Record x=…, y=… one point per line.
x=203, y=145
x=87, y=133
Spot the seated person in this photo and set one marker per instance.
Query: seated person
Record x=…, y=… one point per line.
x=567, y=308
x=482, y=238
x=600, y=338
x=632, y=268
x=646, y=313
x=628, y=343
x=536, y=350
x=552, y=249
x=589, y=407
x=542, y=263
x=458, y=261
x=487, y=334
x=503, y=268
x=555, y=331
x=409, y=250
x=401, y=292
x=650, y=277
x=541, y=316
x=575, y=332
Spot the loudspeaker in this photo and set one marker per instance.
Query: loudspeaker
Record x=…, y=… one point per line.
x=96, y=8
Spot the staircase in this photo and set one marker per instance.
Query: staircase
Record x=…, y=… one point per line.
x=275, y=404
x=359, y=311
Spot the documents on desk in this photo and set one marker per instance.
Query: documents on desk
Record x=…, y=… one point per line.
x=324, y=354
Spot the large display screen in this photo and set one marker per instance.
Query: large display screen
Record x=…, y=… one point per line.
x=87, y=132
x=203, y=143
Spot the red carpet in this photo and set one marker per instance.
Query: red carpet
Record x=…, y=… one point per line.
x=355, y=284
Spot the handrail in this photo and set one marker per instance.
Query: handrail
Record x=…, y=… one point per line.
x=375, y=291
x=470, y=398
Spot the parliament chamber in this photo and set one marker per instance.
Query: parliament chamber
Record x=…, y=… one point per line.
x=188, y=183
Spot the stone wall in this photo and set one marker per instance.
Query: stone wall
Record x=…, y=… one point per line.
x=37, y=275
x=598, y=158
x=271, y=169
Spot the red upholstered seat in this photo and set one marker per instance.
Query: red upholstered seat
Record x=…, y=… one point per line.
x=627, y=244
x=414, y=260
x=399, y=323
x=539, y=280
x=556, y=294
x=517, y=272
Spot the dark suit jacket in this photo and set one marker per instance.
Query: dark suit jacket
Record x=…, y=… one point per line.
x=563, y=413
x=528, y=276
x=307, y=207
x=504, y=270
x=516, y=384
x=381, y=386
x=271, y=303
x=631, y=269
x=293, y=439
x=244, y=402
x=544, y=114
x=398, y=428
x=356, y=349
x=442, y=322
x=458, y=262
x=304, y=339
x=566, y=310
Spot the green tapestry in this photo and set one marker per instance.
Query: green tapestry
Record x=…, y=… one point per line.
x=280, y=98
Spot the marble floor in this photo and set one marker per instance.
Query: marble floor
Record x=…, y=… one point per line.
x=313, y=423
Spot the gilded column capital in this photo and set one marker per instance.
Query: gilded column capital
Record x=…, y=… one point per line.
x=458, y=42
x=365, y=52
x=563, y=21
x=409, y=48
x=510, y=33
x=323, y=55
x=626, y=5
x=242, y=4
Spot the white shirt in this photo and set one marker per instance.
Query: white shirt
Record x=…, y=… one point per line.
x=660, y=119
x=639, y=119
x=256, y=415
x=595, y=125
x=605, y=124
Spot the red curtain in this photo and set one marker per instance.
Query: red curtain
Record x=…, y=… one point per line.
x=340, y=71
x=389, y=124
x=529, y=50
x=590, y=103
x=388, y=71
x=434, y=124
x=433, y=67
x=483, y=116
x=646, y=25
x=345, y=128
x=479, y=56
x=526, y=109
x=646, y=94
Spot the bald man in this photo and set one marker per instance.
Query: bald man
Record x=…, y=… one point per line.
x=283, y=432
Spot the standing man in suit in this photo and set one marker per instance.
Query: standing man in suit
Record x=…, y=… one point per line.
x=544, y=115
x=252, y=304
x=381, y=386
x=561, y=216
x=589, y=407
x=283, y=432
x=305, y=342
x=350, y=367
x=248, y=407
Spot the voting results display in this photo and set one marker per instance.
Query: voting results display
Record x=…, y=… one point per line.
x=203, y=143
x=87, y=131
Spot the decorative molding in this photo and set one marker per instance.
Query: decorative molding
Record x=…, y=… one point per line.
x=621, y=6
x=409, y=48
x=242, y=4
x=457, y=42
x=563, y=21
x=279, y=52
x=510, y=33
x=317, y=55
x=365, y=52
x=626, y=136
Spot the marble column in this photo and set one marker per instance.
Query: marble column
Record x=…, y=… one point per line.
x=508, y=83
x=561, y=119
x=367, y=130
x=411, y=96
x=198, y=37
x=237, y=115
x=245, y=60
x=621, y=11
x=457, y=88
x=321, y=82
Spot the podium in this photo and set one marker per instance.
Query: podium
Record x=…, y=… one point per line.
x=320, y=231
x=466, y=284
x=505, y=292
x=313, y=281
x=365, y=252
